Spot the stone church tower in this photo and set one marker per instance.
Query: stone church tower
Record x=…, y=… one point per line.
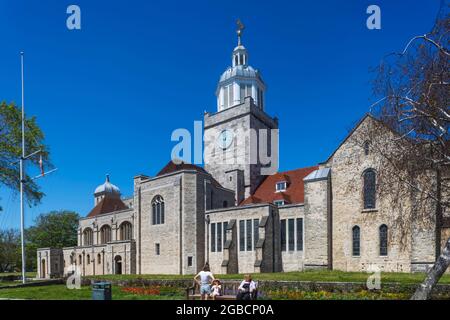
x=239, y=135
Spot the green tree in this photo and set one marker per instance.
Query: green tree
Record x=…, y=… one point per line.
x=11, y=150
x=9, y=249
x=54, y=229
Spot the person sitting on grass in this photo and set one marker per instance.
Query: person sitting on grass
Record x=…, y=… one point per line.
x=205, y=277
x=246, y=288
x=216, y=289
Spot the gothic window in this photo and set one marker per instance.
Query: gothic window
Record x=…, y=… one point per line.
x=99, y=258
x=213, y=237
x=105, y=234
x=158, y=214
x=255, y=231
x=299, y=234
x=366, y=148
x=291, y=226
x=126, y=231
x=88, y=237
x=356, y=241
x=283, y=234
x=219, y=237
x=249, y=235
x=242, y=235
x=80, y=259
x=88, y=258
x=369, y=189
x=383, y=240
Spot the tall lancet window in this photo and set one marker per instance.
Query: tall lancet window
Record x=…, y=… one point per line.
x=88, y=237
x=126, y=231
x=356, y=241
x=158, y=214
x=369, y=189
x=383, y=240
x=105, y=234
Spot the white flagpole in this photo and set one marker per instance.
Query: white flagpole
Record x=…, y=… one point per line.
x=22, y=165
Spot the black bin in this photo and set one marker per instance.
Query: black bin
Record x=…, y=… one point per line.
x=101, y=291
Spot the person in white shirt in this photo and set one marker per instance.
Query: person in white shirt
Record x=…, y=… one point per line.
x=246, y=288
x=216, y=289
x=204, y=279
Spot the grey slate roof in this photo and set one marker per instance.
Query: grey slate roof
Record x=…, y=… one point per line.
x=319, y=174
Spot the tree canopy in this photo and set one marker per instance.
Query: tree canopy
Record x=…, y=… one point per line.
x=11, y=150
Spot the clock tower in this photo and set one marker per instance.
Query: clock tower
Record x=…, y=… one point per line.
x=239, y=138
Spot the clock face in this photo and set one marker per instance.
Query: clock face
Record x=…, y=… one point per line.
x=225, y=139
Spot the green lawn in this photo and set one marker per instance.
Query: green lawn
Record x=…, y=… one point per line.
x=60, y=292
x=28, y=274
x=322, y=275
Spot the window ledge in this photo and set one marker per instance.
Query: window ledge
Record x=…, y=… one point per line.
x=369, y=210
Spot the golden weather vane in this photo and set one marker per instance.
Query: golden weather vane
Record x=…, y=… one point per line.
x=240, y=29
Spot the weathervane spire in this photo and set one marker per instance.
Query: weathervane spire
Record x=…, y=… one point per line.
x=239, y=31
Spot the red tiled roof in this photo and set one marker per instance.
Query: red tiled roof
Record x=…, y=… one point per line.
x=107, y=205
x=295, y=189
x=172, y=167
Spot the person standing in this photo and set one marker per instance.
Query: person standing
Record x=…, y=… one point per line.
x=204, y=279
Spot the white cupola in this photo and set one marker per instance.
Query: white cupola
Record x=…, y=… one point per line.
x=240, y=80
x=106, y=189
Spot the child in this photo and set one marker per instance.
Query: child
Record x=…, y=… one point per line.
x=216, y=289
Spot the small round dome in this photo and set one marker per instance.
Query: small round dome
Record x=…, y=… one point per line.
x=240, y=71
x=107, y=187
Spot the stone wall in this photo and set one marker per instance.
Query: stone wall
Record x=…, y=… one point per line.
x=50, y=263
x=293, y=260
x=347, y=165
x=264, y=255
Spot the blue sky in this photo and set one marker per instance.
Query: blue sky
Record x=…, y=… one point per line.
x=108, y=96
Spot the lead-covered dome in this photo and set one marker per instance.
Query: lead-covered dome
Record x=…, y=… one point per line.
x=107, y=188
x=240, y=81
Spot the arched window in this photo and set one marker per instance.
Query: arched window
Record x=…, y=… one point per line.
x=99, y=258
x=126, y=231
x=88, y=259
x=80, y=259
x=366, y=148
x=158, y=210
x=369, y=189
x=88, y=237
x=383, y=240
x=71, y=259
x=105, y=234
x=356, y=241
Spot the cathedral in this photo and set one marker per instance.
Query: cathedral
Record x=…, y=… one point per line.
x=238, y=219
